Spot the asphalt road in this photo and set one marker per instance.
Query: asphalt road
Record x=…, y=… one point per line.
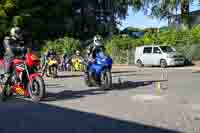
x=134, y=105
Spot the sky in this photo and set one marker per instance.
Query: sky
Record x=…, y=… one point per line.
x=140, y=20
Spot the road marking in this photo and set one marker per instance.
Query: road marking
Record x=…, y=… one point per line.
x=146, y=97
x=196, y=107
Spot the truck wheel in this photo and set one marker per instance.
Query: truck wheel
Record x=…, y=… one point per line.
x=163, y=63
x=139, y=63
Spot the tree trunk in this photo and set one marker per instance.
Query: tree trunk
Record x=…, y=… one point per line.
x=185, y=13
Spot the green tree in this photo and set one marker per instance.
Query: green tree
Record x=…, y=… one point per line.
x=53, y=19
x=166, y=8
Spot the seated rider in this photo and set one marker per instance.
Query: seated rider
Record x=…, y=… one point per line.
x=94, y=48
x=77, y=55
x=14, y=47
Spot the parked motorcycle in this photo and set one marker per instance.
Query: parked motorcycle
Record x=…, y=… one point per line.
x=99, y=72
x=24, y=79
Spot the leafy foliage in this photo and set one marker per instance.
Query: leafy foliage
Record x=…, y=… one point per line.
x=61, y=45
x=163, y=9
x=185, y=41
x=54, y=19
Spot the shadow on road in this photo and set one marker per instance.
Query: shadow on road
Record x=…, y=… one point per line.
x=131, y=74
x=123, y=71
x=27, y=117
x=196, y=72
x=54, y=86
x=131, y=85
x=69, y=94
x=69, y=76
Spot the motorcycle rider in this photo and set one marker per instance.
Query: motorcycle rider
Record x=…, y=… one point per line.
x=77, y=55
x=77, y=58
x=13, y=45
x=94, y=48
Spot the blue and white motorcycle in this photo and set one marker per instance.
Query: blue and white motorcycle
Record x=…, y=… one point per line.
x=99, y=72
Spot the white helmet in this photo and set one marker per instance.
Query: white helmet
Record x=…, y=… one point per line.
x=15, y=32
x=77, y=52
x=97, y=40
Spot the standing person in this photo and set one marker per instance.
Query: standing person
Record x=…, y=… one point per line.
x=44, y=61
x=65, y=54
x=66, y=60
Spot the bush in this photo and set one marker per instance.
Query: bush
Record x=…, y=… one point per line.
x=195, y=35
x=122, y=42
x=186, y=42
x=194, y=52
x=121, y=47
x=18, y=20
x=63, y=44
x=118, y=48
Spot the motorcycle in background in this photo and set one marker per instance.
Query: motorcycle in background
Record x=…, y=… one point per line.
x=77, y=64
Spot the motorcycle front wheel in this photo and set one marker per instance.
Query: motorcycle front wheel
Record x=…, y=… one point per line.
x=87, y=79
x=36, y=89
x=106, y=79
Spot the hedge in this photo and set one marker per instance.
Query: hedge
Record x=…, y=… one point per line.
x=62, y=45
x=186, y=41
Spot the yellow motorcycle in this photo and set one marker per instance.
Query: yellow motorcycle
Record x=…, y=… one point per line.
x=77, y=64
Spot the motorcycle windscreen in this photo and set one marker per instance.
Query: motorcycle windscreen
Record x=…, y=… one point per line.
x=107, y=61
